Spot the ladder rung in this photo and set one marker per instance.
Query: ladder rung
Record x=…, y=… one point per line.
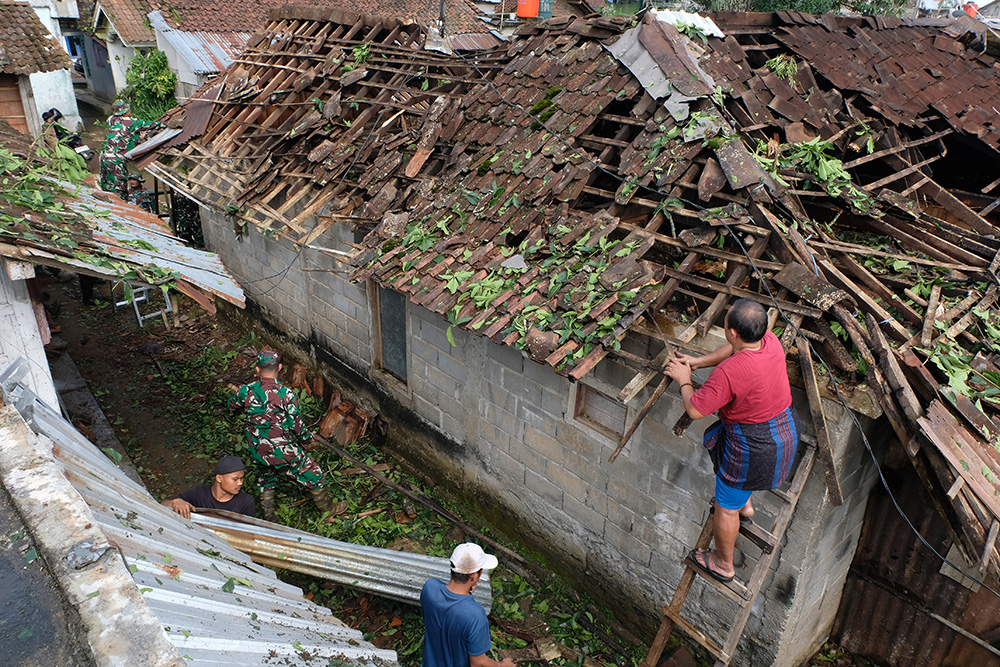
x=696, y=634
x=784, y=495
x=734, y=589
x=762, y=538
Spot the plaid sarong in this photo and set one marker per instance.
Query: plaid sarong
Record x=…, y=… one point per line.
x=754, y=457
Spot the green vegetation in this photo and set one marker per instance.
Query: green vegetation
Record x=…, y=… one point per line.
x=814, y=157
x=150, y=86
x=381, y=517
x=784, y=67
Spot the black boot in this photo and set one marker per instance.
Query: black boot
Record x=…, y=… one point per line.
x=326, y=504
x=267, y=504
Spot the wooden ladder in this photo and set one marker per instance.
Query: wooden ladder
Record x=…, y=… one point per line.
x=743, y=595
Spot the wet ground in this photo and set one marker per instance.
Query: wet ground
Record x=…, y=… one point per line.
x=37, y=627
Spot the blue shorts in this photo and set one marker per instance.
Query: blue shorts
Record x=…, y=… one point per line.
x=729, y=498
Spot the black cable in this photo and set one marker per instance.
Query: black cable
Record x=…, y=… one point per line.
x=357, y=155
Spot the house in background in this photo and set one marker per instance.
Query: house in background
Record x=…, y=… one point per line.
x=120, y=31
x=35, y=70
x=502, y=15
x=201, y=39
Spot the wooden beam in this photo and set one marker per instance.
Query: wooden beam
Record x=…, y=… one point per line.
x=825, y=447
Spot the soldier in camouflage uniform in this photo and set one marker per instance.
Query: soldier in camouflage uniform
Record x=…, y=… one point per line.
x=122, y=135
x=274, y=434
x=139, y=195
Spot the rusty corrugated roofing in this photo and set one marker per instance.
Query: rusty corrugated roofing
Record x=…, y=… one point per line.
x=94, y=232
x=26, y=45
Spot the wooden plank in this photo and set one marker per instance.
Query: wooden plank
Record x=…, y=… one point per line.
x=960, y=449
x=991, y=541
x=706, y=251
x=657, y=393
x=871, y=252
x=887, y=363
x=896, y=149
x=968, y=318
x=641, y=379
x=819, y=423
x=807, y=285
x=740, y=293
x=930, y=315
x=880, y=290
x=696, y=635
x=868, y=304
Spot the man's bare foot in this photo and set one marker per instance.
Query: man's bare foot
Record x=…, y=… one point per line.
x=709, y=563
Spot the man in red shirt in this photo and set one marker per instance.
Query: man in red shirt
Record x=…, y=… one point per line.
x=753, y=444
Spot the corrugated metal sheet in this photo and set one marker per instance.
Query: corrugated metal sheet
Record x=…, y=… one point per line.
x=678, y=18
x=895, y=584
x=203, y=52
x=393, y=574
x=182, y=570
x=474, y=42
x=143, y=239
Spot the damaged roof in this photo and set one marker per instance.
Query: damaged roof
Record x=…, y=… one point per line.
x=26, y=45
x=251, y=15
x=596, y=179
x=53, y=221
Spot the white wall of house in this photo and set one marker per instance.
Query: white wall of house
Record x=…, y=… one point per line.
x=20, y=335
x=119, y=57
x=187, y=80
x=54, y=90
x=485, y=418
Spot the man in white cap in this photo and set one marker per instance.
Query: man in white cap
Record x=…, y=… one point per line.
x=456, y=630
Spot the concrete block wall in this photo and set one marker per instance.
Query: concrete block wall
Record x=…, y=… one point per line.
x=487, y=419
x=298, y=292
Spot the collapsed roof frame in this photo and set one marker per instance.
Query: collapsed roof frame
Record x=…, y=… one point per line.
x=545, y=173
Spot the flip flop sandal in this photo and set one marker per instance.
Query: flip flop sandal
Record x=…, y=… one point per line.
x=706, y=567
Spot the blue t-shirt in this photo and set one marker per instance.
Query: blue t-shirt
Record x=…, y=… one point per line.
x=455, y=627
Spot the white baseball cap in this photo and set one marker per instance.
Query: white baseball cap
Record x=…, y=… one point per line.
x=469, y=558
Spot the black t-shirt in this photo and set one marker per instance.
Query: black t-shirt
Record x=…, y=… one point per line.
x=201, y=496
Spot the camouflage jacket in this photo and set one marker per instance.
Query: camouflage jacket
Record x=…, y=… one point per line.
x=142, y=198
x=272, y=412
x=123, y=134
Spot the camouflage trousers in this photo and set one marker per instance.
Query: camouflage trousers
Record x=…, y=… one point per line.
x=114, y=175
x=274, y=458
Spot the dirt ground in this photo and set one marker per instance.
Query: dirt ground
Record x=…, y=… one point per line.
x=163, y=391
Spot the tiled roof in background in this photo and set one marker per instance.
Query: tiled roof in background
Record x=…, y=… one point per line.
x=129, y=20
x=252, y=15
x=26, y=46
